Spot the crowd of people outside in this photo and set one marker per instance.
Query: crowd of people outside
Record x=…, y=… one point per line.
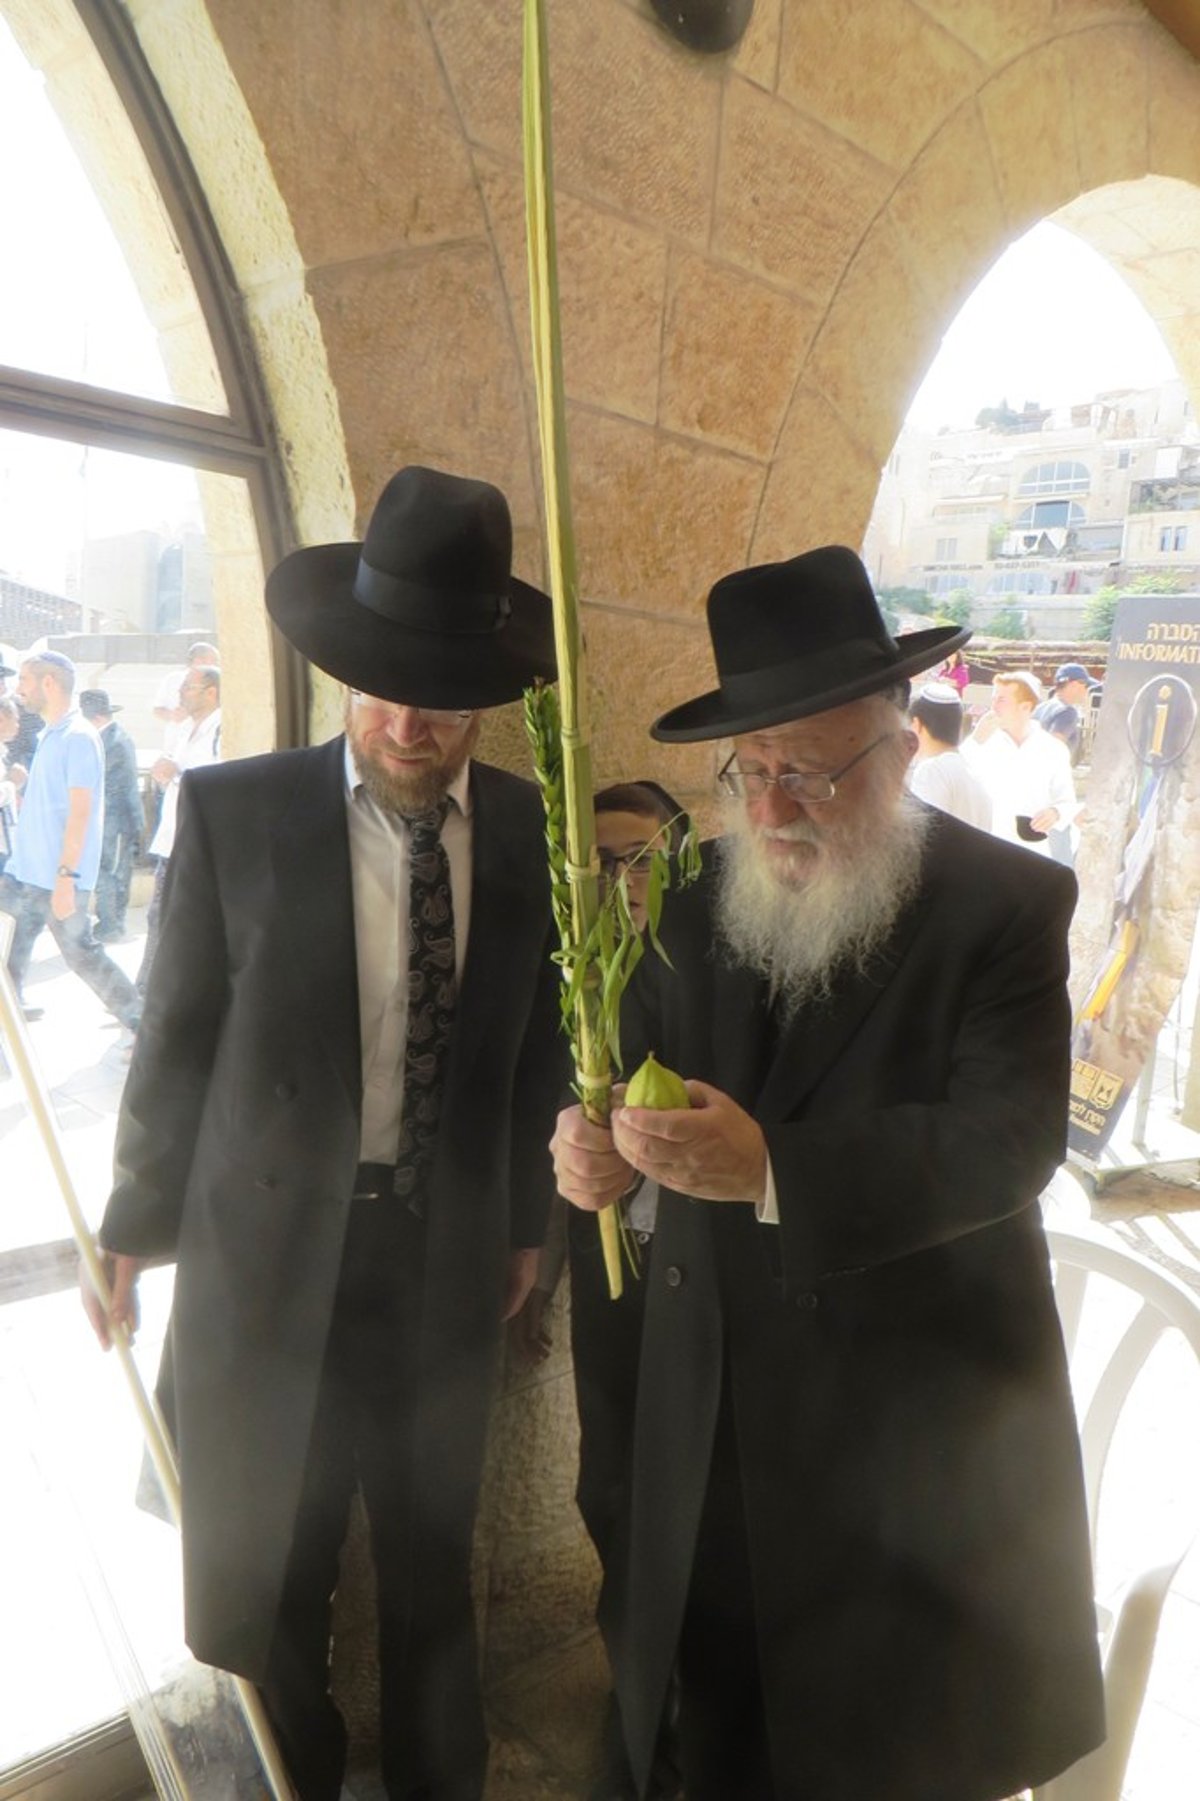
x=77, y=815
x=1007, y=766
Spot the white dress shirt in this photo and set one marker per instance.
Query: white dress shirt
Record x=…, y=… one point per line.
x=198, y=743
x=1024, y=778
x=944, y=781
x=379, y=850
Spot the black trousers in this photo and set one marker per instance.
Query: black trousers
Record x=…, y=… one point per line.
x=113, y=880
x=363, y=1437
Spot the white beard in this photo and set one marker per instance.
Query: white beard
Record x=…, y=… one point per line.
x=801, y=931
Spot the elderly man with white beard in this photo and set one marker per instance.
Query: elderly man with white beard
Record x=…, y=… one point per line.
x=855, y=1518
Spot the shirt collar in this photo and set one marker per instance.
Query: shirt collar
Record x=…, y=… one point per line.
x=459, y=789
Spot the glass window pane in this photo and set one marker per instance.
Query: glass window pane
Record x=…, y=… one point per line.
x=95, y=287
x=133, y=558
x=124, y=563
x=72, y=1528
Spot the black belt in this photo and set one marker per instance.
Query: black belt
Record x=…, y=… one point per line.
x=377, y=1182
x=374, y=1181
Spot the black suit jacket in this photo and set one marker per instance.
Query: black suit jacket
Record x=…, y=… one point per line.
x=890, y=1352
x=122, y=794
x=239, y=1136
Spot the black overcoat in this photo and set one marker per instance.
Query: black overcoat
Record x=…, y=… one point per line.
x=122, y=792
x=238, y=1140
x=890, y=1352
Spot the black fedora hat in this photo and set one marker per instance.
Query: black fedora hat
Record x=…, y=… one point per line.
x=95, y=700
x=796, y=638
x=426, y=610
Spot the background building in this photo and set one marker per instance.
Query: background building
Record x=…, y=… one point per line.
x=1037, y=509
x=28, y=613
x=141, y=582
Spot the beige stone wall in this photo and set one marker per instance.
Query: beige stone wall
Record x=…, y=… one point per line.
x=759, y=254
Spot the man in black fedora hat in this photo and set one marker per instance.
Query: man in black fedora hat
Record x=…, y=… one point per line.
x=336, y=1122
x=855, y=1520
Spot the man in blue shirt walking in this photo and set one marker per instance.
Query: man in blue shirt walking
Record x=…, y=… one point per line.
x=56, y=847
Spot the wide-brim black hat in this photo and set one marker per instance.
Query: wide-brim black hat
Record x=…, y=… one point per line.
x=95, y=700
x=796, y=638
x=426, y=610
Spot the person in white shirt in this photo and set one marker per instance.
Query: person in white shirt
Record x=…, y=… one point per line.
x=197, y=743
x=168, y=704
x=1024, y=768
x=937, y=773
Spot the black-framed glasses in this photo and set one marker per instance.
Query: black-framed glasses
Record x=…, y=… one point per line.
x=615, y=863
x=810, y=785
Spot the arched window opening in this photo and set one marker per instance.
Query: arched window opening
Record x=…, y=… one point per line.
x=1051, y=432
x=120, y=332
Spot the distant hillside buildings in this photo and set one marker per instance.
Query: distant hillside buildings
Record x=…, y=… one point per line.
x=1038, y=509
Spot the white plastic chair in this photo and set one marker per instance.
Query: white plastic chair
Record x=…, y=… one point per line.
x=1129, y=1627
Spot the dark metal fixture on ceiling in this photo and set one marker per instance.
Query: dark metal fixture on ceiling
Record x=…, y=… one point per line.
x=707, y=25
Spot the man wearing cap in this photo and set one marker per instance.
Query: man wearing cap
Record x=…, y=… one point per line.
x=336, y=1122
x=122, y=814
x=855, y=1520
x=55, y=858
x=1026, y=771
x=1061, y=713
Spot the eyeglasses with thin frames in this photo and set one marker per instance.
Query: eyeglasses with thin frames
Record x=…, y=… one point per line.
x=812, y=786
x=614, y=864
x=369, y=703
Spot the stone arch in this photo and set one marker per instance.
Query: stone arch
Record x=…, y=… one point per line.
x=1021, y=148
x=758, y=255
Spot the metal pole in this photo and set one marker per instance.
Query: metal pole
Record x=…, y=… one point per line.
x=1144, y=1091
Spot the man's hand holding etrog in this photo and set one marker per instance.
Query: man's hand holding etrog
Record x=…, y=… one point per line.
x=713, y=1149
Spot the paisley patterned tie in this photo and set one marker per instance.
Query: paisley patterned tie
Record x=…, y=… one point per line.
x=431, y=996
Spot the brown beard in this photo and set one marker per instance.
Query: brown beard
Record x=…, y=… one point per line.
x=418, y=792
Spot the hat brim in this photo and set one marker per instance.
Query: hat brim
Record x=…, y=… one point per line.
x=310, y=596
x=713, y=715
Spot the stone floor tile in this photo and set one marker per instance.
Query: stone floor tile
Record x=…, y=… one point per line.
x=556, y=1704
